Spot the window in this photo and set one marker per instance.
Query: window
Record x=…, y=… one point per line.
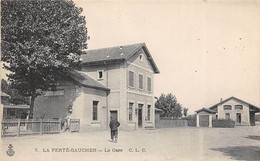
x=239, y=107
x=227, y=107
x=227, y=115
x=141, y=82
x=149, y=84
x=130, y=111
x=95, y=110
x=100, y=74
x=131, y=79
x=149, y=113
x=141, y=57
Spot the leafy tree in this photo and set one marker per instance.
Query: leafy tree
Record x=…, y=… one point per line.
x=16, y=98
x=185, y=111
x=170, y=106
x=41, y=40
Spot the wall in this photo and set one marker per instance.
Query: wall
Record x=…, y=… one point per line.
x=51, y=107
x=81, y=99
x=171, y=123
x=245, y=119
x=136, y=95
x=83, y=109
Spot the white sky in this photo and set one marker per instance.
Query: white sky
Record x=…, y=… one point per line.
x=195, y=44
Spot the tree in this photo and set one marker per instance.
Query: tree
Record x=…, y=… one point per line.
x=41, y=40
x=170, y=106
x=16, y=98
x=185, y=111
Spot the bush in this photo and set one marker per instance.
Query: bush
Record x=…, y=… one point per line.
x=224, y=123
x=192, y=121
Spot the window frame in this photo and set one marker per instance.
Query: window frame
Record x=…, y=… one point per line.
x=93, y=111
x=102, y=71
x=150, y=112
x=226, y=116
x=128, y=114
x=140, y=74
x=129, y=79
x=236, y=107
x=226, y=106
x=148, y=84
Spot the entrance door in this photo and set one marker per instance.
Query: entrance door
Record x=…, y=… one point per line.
x=140, y=119
x=239, y=118
x=114, y=114
x=204, y=120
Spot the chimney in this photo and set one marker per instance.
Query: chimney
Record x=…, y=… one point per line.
x=121, y=48
x=220, y=99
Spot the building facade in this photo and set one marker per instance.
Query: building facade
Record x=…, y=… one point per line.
x=114, y=81
x=241, y=112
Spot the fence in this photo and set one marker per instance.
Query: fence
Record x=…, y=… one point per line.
x=170, y=123
x=27, y=127
x=74, y=125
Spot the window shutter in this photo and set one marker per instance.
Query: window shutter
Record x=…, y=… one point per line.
x=149, y=84
x=131, y=79
x=141, y=81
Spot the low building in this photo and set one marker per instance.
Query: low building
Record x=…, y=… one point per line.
x=243, y=113
x=204, y=117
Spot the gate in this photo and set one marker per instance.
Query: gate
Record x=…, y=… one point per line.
x=74, y=125
x=204, y=120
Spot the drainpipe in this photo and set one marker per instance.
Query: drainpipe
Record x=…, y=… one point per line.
x=107, y=94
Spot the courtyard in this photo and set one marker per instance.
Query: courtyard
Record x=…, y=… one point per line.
x=186, y=143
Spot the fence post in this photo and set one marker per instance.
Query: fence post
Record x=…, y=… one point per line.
x=2, y=128
x=41, y=127
x=18, y=127
x=59, y=125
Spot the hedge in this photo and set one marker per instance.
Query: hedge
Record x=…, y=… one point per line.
x=224, y=123
x=192, y=121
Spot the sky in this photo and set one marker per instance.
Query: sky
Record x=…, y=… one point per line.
x=205, y=50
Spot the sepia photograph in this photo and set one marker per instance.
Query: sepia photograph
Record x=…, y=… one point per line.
x=114, y=80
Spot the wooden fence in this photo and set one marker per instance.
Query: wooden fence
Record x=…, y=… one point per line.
x=74, y=125
x=27, y=127
x=170, y=123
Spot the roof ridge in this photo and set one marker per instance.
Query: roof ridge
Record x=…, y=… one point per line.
x=113, y=47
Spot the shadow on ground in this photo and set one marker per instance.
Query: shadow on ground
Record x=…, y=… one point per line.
x=249, y=153
x=254, y=137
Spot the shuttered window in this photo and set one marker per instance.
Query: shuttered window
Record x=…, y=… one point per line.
x=131, y=79
x=95, y=110
x=149, y=84
x=141, y=81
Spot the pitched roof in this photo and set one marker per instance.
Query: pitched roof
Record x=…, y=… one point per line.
x=239, y=100
x=87, y=81
x=117, y=53
x=206, y=109
x=3, y=94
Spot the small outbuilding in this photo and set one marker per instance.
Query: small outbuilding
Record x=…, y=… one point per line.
x=204, y=117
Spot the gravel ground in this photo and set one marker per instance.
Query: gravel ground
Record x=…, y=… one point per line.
x=239, y=143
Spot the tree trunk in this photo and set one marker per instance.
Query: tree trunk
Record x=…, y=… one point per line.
x=32, y=105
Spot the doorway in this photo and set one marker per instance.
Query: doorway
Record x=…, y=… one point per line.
x=140, y=115
x=114, y=114
x=239, y=118
x=204, y=120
